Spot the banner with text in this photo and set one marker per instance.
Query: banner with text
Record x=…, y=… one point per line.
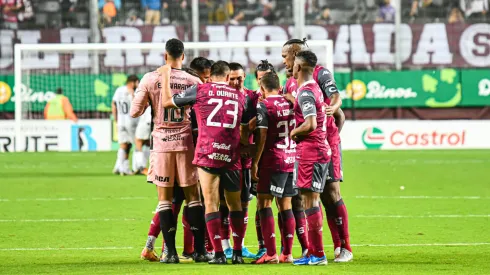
x=422, y=45
x=57, y=135
x=415, y=134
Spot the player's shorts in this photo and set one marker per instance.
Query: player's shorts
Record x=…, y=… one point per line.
x=277, y=184
x=245, y=185
x=229, y=179
x=335, y=172
x=125, y=134
x=143, y=130
x=169, y=167
x=310, y=176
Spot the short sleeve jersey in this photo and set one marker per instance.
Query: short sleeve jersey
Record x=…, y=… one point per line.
x=122, y=98
x=219, y=110
x=252, y=98
x=170, y=125
x=309, y=102
x=276, y=115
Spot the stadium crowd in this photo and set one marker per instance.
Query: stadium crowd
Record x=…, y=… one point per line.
x=27, y=14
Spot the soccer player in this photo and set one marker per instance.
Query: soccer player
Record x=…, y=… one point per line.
x=172, y=150
x=203, y=67
x=126, y=125
x=219, y=108
x=312, y=159
x=141, y=153
x=332, y=200
x=276, y=155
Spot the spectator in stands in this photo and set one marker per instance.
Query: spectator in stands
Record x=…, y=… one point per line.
x=59, y=108
x=116, y=2
x=68, y=17
x=386, y=12
x=259, y=12
x=25, y=15
x=10, y=10
x=455, y=16
x=152, y=11
x=324, y=17
x=109, y=13
x=475, y=10
x=133, y=19
x=183, y=13
x=426, y=11
x=221, y=11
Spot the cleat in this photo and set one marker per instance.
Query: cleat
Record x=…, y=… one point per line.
x=170, y=259
x=228, y=252
x=247, y=254
x=237, y=257
x=267, y=260
x=260, y=253
x=186, y=257
x=149, y=255
x=115, y=172
x=336, y=252
x=218, y=260
x=141, y=171
x=318, y=260
x=285, y=258
x=200, y=258
x=305, y=260
x=345, y=256
x=209, y=255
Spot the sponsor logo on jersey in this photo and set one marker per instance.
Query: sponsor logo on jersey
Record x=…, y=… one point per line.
x=277, y=189
x=325, y=72
x=221, y=146
x=276, y=103
x=169, y=138
x=259, y=118
x=317, y=185
x=307, y=106
x=290, y=160
x=221, y=157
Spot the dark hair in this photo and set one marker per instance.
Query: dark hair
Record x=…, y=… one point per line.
x=59, y=91
x=220, y=68
x=132, y=78
x=174, y=47
x=235, y=66
x=263, y=66
x=270, y=81
x=211, y=61
x=191, y=72
x=308, y=57
x=295, y=41
x=199, y=64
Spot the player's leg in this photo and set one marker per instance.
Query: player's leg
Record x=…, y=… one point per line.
x=125, y=139
x=246, y=182
x=230, y=179
x=149, y=252
x=210, y=180
x=300, y=220
x=142, y=136
x=188, y=180
x=310, y=178
x=177, y=202
x=225, y=228
x=264, y=199
x=284, y=184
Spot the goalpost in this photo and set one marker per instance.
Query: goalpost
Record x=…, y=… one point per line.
x=89, y=73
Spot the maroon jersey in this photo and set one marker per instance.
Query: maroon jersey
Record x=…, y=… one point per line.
x=252, y=99
x=219, y=110
x=309, y=102
x=276, y=114
x=324, y=79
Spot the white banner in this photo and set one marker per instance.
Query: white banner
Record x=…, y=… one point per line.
x=57, y=135
x=416, y=134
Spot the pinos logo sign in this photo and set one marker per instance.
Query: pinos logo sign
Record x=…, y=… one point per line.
x=373, y=138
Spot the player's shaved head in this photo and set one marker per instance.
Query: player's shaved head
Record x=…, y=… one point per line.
x=220, y=69
x=307, y=59
x=174, y=48
x=270, y=81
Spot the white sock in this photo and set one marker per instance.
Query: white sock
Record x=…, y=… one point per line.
x=134, y=161
x=150, y=242
x=119, y=160
x=225, y=243
x=243, y=242
x=140, y=160
x=125, y=167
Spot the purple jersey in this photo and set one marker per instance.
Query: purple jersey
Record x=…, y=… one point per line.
x=276, y=114
x=219, y=109
x=310, y=102
x=173, y=126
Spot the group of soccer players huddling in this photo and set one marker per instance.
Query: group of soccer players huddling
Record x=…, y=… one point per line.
x=275, y=142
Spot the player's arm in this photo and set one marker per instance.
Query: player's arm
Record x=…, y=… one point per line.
x=247, y=116
x=140, y=100
x=339, y=119
x=306, y=101
x=262, y=126
x=329, y=88
x=186, y=98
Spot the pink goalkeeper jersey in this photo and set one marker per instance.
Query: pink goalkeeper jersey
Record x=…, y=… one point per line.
x=173, y=126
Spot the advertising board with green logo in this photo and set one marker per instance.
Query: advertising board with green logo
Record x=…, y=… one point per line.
x=369, y=89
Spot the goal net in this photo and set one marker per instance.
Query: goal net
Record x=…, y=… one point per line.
x=88, y=74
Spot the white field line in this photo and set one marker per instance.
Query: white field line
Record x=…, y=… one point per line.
x=130, y=247
x=425, y=197
x=154, y=198
x=355, y=216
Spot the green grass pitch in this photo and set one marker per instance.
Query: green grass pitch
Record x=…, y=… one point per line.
x=65, y=213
